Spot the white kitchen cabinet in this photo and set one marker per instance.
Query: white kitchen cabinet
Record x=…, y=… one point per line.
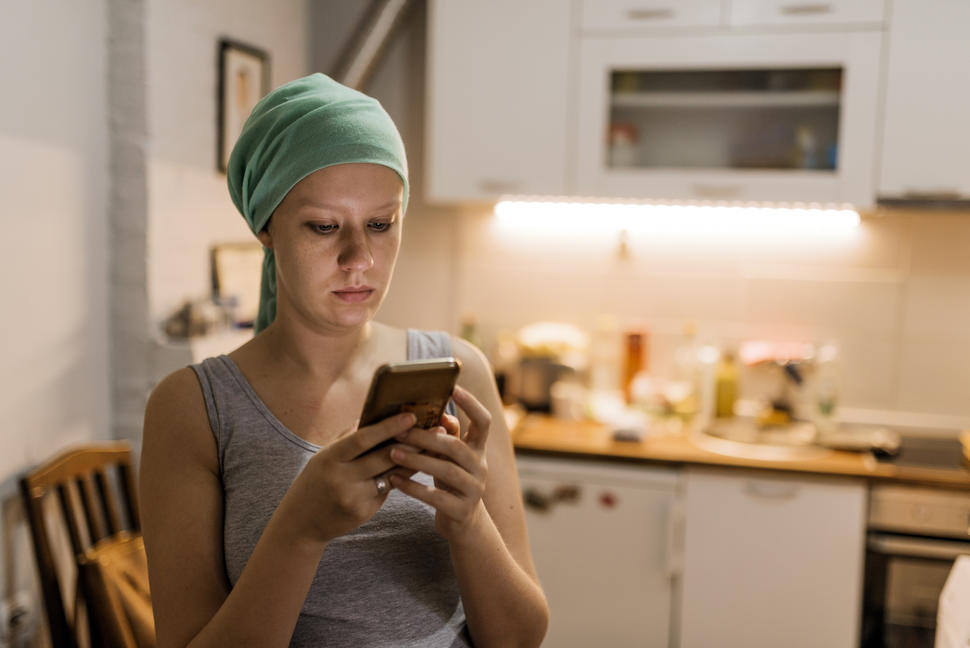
x=926, y=134
x=601, y=537
x=777, y=117
x=497, y=79
x=772, y=560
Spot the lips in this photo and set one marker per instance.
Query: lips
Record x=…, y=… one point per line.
x=353, y=294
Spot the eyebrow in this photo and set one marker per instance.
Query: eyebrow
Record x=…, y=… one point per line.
x=310, y=202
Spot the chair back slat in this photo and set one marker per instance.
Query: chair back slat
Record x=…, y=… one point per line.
x=60, y=630
x=93, y=512
x=108, y=500
x=66, y=497
x=90, y=505
x=131, y=495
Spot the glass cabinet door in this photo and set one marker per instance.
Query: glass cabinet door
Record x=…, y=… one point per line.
x=755, y=118
x=739, y=117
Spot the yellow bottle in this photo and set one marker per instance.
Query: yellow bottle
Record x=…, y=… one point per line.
x=725, y=386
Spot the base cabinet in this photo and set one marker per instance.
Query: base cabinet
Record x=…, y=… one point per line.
x=772, y=560
x=600, y=536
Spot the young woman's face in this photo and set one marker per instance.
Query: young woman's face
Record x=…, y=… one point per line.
x=335, y=237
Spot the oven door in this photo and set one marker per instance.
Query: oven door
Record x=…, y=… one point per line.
x=903, y=581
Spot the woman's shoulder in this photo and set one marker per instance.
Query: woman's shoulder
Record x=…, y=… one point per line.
x=475, y=369
x=175, y=415
x=178, y=389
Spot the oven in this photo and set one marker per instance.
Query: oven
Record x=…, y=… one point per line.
x=914, y=535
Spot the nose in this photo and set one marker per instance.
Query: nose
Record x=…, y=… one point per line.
x=355, y=253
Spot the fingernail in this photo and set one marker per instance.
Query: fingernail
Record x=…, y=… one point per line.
x=396, y=454
x=409, y=419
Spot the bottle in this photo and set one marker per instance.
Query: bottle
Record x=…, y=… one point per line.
x=826, y=388
x=687, y=372
x=605, y=369
x=726, y=386
x=504, y=364
x=635, y=361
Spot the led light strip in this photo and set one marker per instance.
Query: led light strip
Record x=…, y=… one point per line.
x=677, y=219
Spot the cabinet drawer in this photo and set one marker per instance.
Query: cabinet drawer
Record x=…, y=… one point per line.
x=805, y=12
x=649, y=14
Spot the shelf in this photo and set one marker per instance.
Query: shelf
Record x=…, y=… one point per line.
x=727, y=99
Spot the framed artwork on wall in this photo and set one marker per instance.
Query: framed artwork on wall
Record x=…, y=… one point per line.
x=243, y=80
x=236, y=275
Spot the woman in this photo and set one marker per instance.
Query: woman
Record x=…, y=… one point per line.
x=263, y=522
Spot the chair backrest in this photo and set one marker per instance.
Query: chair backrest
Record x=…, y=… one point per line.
x=114, y=575
x=97, y=500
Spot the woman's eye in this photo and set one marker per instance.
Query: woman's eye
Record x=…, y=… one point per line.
x=323, y=228
x=380, y=226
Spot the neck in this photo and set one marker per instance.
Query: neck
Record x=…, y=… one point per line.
x=324, y=355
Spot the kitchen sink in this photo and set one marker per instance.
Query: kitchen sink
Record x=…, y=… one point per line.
x=743, y=438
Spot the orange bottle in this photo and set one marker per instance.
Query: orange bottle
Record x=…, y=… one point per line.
x=635, y=360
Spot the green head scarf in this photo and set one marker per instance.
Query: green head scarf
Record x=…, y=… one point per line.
x=296, y=129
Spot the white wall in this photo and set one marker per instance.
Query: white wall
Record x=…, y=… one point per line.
x=54, y=389
x=189, y=206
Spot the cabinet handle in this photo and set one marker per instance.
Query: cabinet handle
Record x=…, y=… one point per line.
x=494, y=186
x=660, y=13
x=806, y=9
x=916, y=547
x=938, y=194
x=715, y=191
x=675, y=538
x=542, y=503
x=767, y=490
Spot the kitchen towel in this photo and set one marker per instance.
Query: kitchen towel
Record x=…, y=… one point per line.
x=953, y=615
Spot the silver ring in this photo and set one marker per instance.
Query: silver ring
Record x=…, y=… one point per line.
x=382, y=485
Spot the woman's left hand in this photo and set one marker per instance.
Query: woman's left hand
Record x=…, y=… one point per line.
x=457, y=465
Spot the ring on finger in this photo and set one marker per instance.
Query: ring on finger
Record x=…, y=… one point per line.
x=382, y=484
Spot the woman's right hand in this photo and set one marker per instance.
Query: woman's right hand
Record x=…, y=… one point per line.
x=337, y=490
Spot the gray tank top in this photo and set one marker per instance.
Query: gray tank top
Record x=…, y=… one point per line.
x=388, y=583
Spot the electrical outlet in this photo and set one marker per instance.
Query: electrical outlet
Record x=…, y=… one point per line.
x=18, y=621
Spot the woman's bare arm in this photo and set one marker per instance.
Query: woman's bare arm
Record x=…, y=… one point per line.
x=182, y=503
x=503, y=602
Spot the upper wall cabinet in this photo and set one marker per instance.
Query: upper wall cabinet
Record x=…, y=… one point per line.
x=498, y=76
x=728, y=115
x=926, y=136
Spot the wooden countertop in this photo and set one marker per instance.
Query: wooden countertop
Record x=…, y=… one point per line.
x=542, y=434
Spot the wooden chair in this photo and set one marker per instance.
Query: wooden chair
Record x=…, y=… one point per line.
x=97, y=502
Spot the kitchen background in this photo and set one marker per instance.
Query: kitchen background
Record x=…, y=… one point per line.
x=112, y=201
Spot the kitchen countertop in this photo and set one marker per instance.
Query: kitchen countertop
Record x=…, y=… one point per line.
x=546, y=435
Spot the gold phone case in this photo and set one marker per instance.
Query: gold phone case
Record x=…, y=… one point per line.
x=420, y=386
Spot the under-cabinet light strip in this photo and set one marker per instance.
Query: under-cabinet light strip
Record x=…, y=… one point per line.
x=676, y=219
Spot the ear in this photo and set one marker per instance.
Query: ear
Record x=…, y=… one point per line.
x=265, y=238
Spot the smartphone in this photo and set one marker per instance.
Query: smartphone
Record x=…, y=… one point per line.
x=420, y=386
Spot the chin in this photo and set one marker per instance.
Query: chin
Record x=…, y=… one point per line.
x=352, y=318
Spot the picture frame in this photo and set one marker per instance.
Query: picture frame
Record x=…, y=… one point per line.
x=243, y=80
x=236, y=269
